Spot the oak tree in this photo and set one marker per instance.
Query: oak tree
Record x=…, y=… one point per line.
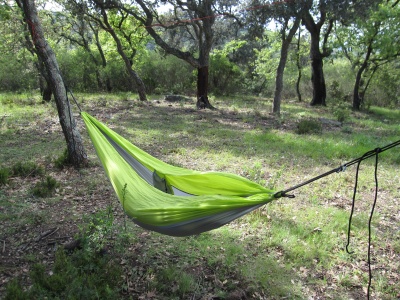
x=76, y=152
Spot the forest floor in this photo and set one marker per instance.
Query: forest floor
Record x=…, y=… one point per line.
x=288, y=249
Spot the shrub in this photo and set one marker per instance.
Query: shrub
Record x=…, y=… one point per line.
x=4, y=175
x=308, y=126
x=27, y=168
x=62, y=161
x=80, y=276
x=341, y=114
x=46, y=187
x=97, y=229
x=15, y=291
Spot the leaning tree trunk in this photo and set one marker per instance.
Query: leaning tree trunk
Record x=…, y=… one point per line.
x=76, y=152
x=133, y=76
x=357, y=96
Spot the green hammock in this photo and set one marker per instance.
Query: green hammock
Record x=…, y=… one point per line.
x=168, y=199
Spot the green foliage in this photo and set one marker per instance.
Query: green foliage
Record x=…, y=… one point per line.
x=27, y=168
x=4, y=175
x=308, y=126
x=87, y=273
x=340, y=107
x=268, y=57
x=386, y=89
x=341, y=113
x=369, y=44
x=97, y=229
x=46, y=187
x=225, y=77
x=62, y=161
x=14, y=291
x=166, y=74
x=256, y=173
x=335, y=91
x=183, y=283
x=82, y=275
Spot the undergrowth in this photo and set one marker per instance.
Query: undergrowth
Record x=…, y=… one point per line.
x=45, y=187
x=27, y=168
x=80, y=275
x=63, y=160
x=88, y=271
x=308, y=126
x=4, y=175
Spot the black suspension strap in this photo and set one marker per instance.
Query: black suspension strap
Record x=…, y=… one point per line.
x=343, y=167
x=284, y=193
x=73, y=97
x=67, y=90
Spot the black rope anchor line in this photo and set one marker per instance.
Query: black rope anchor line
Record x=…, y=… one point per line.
x=376, y=154
x=357, y=161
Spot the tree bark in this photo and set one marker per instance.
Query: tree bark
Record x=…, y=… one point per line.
x=276, y=104
x=46, y=94
x=286, y=40
x=107, y=80
x=202, y=88
x=318, y=81
x=357, y=96
x=299, y=68
x=76, y=152
x=135, y=78
x=317, y=71
x=44, y=84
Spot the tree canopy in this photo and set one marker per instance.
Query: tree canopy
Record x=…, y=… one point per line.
x=202, y=47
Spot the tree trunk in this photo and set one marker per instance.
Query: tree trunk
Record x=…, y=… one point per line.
x=202, y=88
x=135, y=78
x=357, y=96
x=318, y=81
x=299, y=68
x=298, y=85
x=46, y=94
x=76, y=152
x=317, y=71
x=276, y=104
x=357, y=100
x=286, y=40
x=203, y=30
x=44, y=81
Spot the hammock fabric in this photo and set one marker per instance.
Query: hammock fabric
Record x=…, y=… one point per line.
x=168, y=199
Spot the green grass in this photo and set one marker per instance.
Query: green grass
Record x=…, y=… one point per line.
x=291, y=248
